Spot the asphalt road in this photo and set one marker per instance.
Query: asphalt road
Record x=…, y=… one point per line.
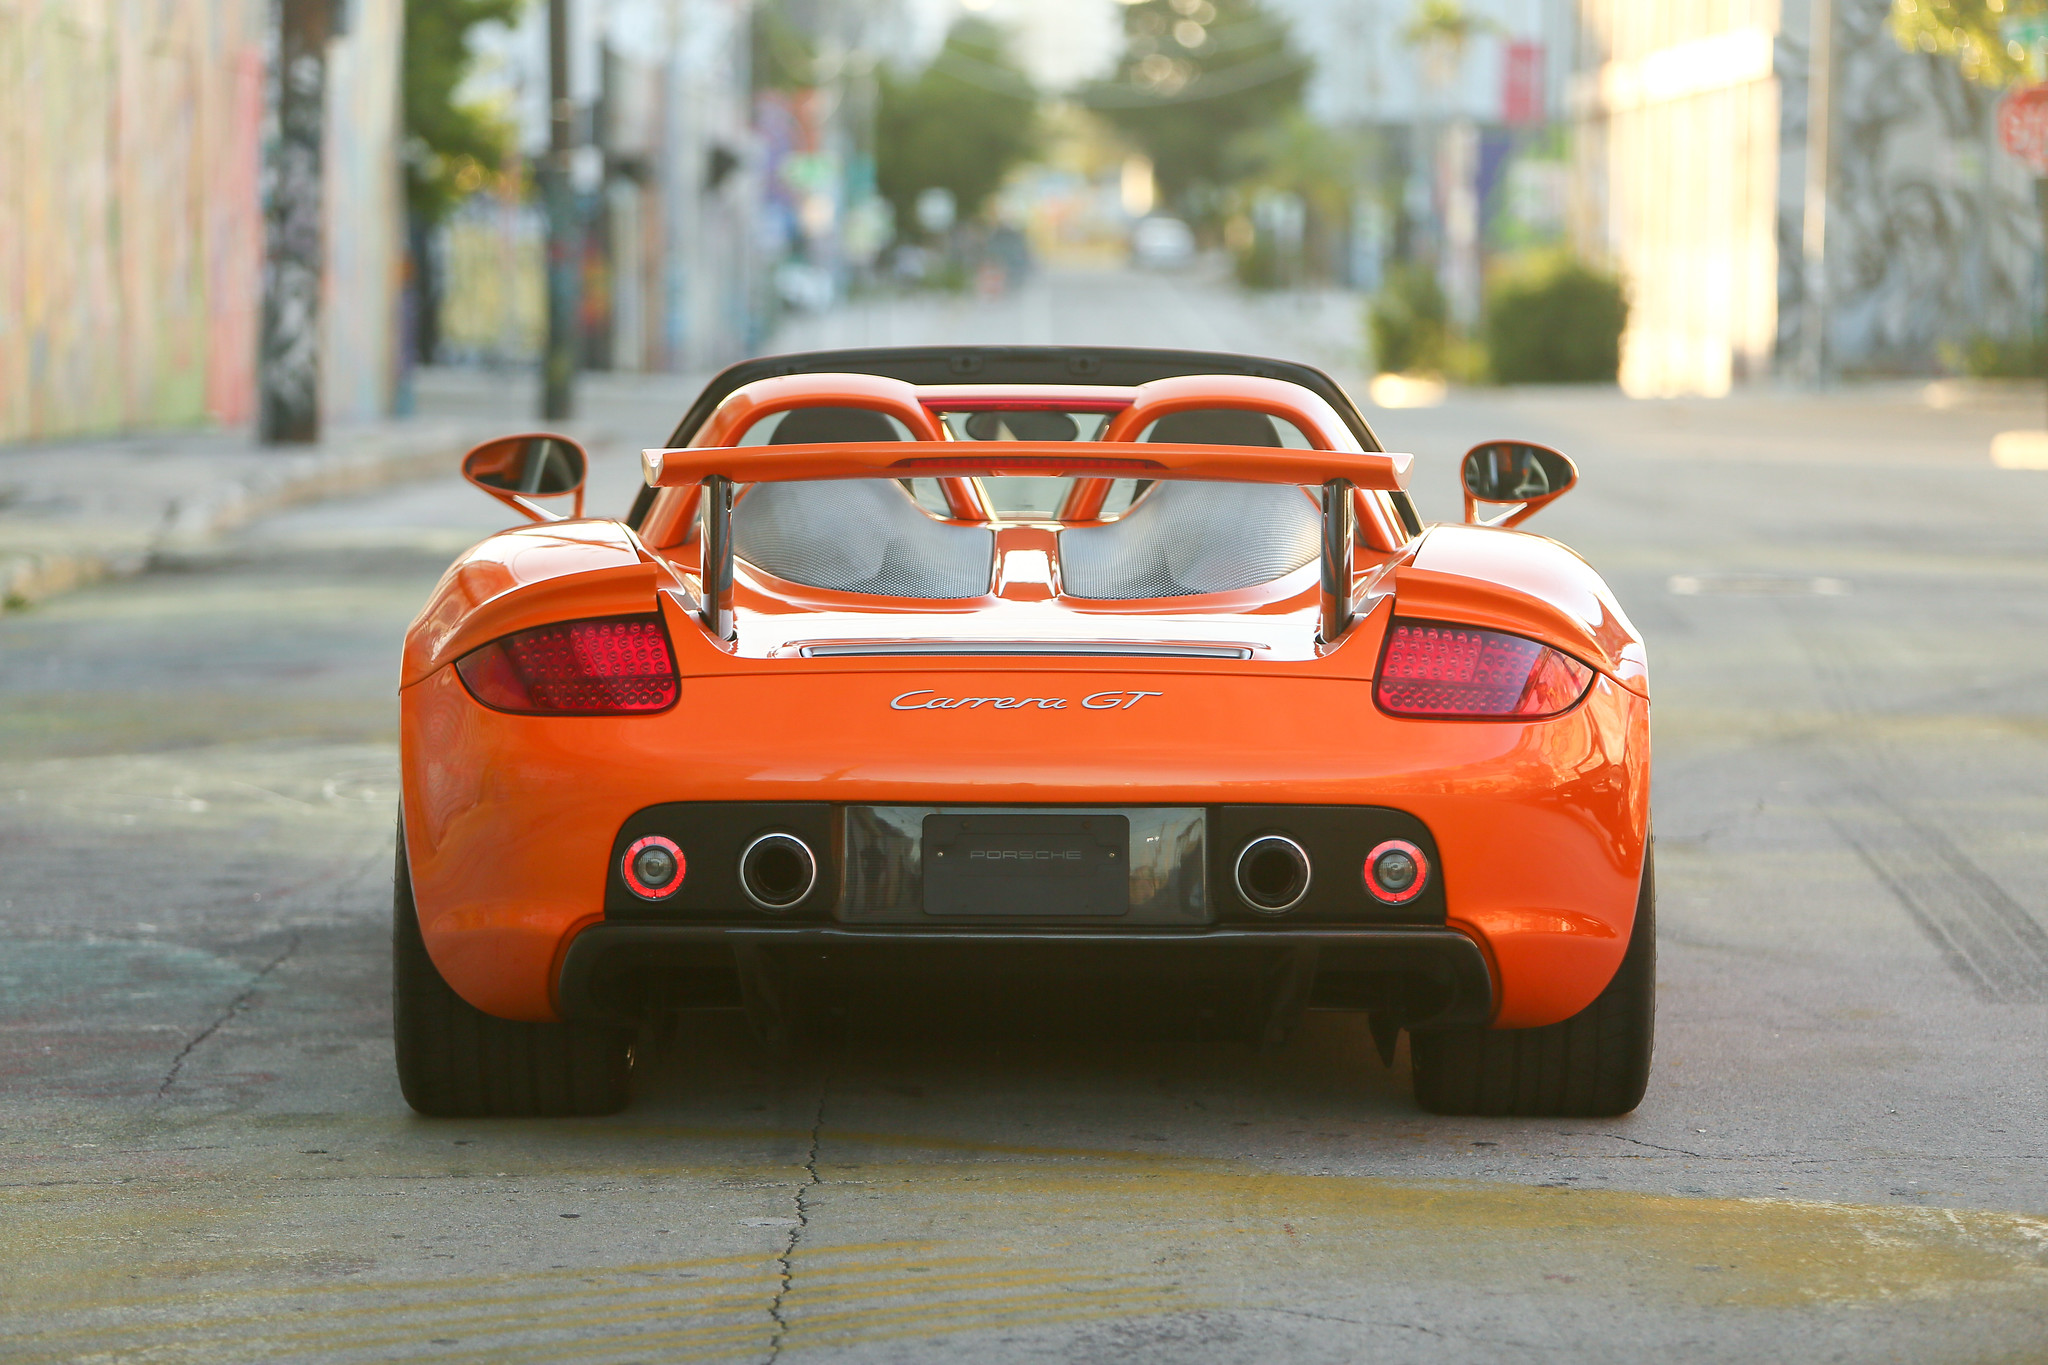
x=1843, y=1155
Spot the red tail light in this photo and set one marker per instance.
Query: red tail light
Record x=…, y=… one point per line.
x=1432, y=669
x=619, y=666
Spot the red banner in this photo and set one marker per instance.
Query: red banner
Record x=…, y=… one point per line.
x=1521, y=96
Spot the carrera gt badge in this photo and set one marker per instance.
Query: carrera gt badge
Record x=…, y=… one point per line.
x=925, y=699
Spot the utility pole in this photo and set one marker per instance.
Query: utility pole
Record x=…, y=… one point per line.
x=558, y=366
x=1820, y=122
x=288, y=350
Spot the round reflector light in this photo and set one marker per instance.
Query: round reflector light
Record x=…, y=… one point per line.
x=653, y=868
x=1396, y=871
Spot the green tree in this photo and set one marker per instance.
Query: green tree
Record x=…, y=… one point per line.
x=1296, y=155
x=450, y=144
x=961, y=124
x=1446, y=24
x=1194, y=77
x=782, y=54
x=1973, y=34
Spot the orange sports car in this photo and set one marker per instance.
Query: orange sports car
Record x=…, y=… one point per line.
x=1042, y=659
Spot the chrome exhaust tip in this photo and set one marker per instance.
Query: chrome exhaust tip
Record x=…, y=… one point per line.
x=777, y=871
x=1272, y=874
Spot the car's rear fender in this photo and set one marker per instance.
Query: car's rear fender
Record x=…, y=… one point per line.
x=1513, y=581
x=530, y=576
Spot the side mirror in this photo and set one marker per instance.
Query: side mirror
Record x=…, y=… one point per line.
x=1515, y=471
x=517, y=469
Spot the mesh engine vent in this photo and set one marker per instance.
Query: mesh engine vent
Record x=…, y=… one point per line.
x=1189, y=538
x=859, y=535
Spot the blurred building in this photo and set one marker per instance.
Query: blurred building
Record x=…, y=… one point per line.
x=679, y=287
x=1699, y=150
x=1469, y=124
x=823, y=221
x=131, y=229
x=667, y=180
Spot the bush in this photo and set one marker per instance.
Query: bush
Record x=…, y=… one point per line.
x=1558, y=324
x=1261, y=264
x=1409, y=321
x=1989, y=357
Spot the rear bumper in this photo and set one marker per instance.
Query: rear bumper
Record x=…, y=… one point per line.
x=1418, y=977
x=511, y=821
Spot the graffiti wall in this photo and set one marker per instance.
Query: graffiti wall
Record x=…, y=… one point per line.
x=493, y=256
x=1932, y=233
x=130, y=223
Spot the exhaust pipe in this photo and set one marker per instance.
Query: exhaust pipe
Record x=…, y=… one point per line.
x=777, y=871
x=1272, y=874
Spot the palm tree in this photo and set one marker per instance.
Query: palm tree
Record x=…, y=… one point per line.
x=1441, y=30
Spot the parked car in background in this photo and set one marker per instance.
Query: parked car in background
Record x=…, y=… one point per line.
x=1162, y=244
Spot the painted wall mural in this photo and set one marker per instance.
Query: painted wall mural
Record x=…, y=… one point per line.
x=1933, y=236
x=131, y=228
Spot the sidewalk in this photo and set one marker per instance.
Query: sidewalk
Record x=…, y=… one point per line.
x=72, y=512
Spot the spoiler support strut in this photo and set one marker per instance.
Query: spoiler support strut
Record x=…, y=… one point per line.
x=1340, y=528
x=715, y=506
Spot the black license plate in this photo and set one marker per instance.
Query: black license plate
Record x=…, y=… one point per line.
x=1027, y=865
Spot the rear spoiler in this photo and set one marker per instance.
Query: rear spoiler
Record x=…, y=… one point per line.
x=717, y=468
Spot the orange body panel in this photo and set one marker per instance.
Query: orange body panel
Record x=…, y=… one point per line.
x=1541, y=825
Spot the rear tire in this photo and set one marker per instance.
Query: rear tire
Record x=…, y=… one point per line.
x=1592, y=1065
x=455, y=1061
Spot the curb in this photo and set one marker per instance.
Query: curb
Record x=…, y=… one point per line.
x=107, y=549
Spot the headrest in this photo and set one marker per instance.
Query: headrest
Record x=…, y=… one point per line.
x=1215, y=427
x=832, y=426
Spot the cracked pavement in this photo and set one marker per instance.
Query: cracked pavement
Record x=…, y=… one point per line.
x=1843, y=1155
x=785, y=1264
